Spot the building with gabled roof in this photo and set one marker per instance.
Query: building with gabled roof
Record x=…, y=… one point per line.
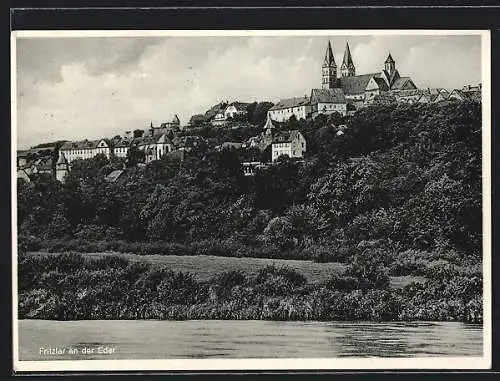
x=288, y=143
x=328, y=101
x=462, y=95
x=154, y=147
x=86, y=149
x=282, y=111
x=115, y=175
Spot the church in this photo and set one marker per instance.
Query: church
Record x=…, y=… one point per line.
x=360, y=90
x=342, y=90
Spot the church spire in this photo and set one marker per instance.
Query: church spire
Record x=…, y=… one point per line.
x=329, y=69
x=347, y=69
x=390, y=65
x=329, y=59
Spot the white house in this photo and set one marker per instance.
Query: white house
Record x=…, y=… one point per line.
x=328, y=101
x=219, y=119
x=86, y=149
x=285, y=108
x=121, y=148
x=288, y=143
x=235, y=109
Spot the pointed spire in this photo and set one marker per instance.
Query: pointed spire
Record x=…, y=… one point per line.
x=269, y=124
x=329, y=59
x=389, y=59
x=347, y=56
x=62, y=159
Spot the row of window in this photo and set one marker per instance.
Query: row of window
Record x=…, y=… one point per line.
x=279, y=153
x=281, y=145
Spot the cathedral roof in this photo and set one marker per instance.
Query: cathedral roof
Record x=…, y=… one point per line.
x=347, y=61
x=290, y=102
x=335, y=95
x=382, y=84
x=355, y=84
x=329, y=59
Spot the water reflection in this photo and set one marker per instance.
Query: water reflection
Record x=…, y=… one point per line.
x=251, y=339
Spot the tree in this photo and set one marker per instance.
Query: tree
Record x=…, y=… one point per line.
x=138, y=133
x=134, y=156
x=197, y=120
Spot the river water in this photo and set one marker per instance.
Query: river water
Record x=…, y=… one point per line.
x=146, y=339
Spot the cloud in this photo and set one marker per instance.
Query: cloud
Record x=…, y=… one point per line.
x=74, y=88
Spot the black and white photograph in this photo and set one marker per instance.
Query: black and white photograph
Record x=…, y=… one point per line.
x=238, y=200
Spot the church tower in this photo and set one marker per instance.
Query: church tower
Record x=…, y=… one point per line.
x=329, y=69
x=62, y=167
x=347, y=69
x=390, y=65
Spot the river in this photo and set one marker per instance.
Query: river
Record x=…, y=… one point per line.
x=146, y=339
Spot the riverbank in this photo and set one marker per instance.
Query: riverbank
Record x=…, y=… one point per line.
x=71, y=287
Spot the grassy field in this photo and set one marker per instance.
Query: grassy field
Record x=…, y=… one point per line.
x=205, y=267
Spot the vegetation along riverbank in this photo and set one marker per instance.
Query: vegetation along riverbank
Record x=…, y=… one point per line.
x=70, y=287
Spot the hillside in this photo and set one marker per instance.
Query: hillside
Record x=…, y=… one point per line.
x=399, y=193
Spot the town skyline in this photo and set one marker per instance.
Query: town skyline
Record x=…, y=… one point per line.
x=76, y=88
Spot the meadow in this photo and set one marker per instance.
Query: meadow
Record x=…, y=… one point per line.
x=206, y=267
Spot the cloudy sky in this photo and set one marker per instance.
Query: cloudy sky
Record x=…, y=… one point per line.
x=76, y=88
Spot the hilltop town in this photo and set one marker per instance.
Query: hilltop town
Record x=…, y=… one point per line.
x=342, y=92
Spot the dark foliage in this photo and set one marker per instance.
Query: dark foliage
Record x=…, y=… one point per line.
x=69, y=287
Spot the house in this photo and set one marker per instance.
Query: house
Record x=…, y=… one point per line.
x=441, y=97
x=22, y=159
x=236, y=109
x=250, y=167
x=223, y=113
x=115, y=175
x=384, y=99
x=86, y=149
x=176, y=155
x=154, y=147
x=288, y=143
x=62, y=167
x=229, y=145
x=219, y=119
x=427, y=98
x=328, y=101
x=477, y=88
x=285, y=108
x=461, y=95
x=121, y=148
x=24, y=174
x=44, y=165
x=187, y=143
x=408, y=96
